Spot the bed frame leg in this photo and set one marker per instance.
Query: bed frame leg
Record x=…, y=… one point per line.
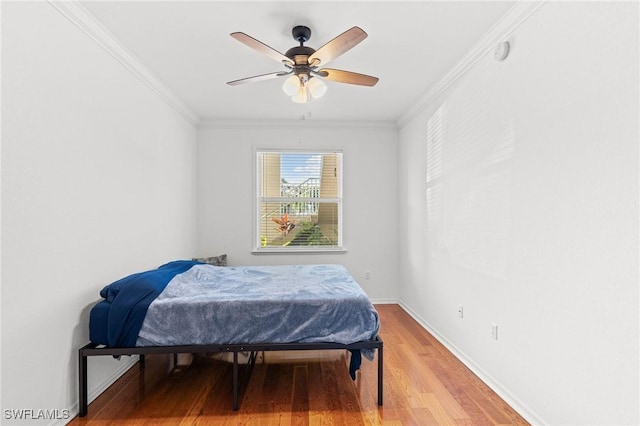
x=235, y=381
x=380, y=378
x=82, y=381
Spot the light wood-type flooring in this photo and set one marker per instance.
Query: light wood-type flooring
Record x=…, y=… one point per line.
x=424, y=384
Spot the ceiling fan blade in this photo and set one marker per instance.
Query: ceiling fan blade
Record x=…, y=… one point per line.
x=337, y=46
x=260, y=47
x=347, y=77
x=257, y=78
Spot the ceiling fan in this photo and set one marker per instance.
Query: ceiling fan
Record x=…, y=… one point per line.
x=303, y=63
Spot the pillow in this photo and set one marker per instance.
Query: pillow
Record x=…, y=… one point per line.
x=215, y=260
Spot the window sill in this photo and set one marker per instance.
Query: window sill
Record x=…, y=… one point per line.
x=300, y=250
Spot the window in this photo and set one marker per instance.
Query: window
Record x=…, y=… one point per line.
x=299, y=201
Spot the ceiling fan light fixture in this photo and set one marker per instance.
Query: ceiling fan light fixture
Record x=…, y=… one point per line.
x=291, y=85
x=302, y=87
x=317, y=88
x=302, y=97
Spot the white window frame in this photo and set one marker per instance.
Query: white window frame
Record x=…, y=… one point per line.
x=258, y=199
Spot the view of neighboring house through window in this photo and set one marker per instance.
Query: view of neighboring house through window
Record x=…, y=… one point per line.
x=299, y=200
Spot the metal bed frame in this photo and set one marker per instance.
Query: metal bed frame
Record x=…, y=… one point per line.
x=93, y=349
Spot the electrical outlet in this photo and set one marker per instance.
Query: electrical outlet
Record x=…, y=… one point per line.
x=460, y=311
x=494, y=331
x=367, y=275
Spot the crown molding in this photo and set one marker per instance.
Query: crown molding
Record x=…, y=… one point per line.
x=309, y=124
x=501, y=30
x=83, y=19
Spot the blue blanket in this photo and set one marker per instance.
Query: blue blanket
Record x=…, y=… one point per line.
x=130, y=298
x=260, y=304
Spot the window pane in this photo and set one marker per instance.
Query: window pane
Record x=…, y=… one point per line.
x=295, y=224
x=299, y=199
x=299, y=174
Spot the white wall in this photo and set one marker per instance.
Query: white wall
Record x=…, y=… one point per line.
x=98, y=181
x=534, y=221
x=226, y=197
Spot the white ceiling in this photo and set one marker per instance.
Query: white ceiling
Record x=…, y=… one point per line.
x=186, y=45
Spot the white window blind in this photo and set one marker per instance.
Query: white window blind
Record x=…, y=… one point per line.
x=299, y=200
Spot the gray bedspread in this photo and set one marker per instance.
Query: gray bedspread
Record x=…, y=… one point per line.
x=260, y=304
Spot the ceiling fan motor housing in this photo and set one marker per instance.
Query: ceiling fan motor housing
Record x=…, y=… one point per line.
x=299, y=54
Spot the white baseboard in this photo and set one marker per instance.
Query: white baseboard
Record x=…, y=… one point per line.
x=503, y=393
x=384, y=301
x=95, y=392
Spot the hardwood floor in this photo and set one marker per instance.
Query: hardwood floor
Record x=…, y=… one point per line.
x=424, y=384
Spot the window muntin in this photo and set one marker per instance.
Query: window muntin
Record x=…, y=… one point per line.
x=299, y=200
